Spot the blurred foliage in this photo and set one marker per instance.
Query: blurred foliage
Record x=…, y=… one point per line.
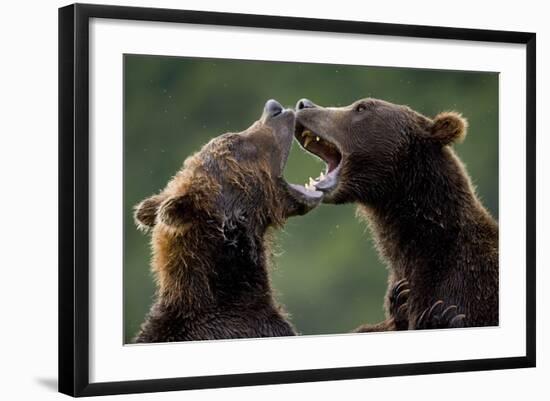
x=327, y=272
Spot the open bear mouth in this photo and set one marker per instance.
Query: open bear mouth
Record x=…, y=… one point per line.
x=327, y=151
x=284, y=128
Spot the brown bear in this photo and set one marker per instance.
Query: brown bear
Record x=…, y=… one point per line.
x=428, y=224
x=210, y=240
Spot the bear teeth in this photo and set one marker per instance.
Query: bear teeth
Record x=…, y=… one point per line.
x=308, y=137
x=310, y=185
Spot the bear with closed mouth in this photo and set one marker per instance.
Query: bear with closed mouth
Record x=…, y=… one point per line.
x=429, y=226
x=210, y=230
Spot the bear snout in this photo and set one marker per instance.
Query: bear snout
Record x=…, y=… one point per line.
x=273, y=108
x=304, y=104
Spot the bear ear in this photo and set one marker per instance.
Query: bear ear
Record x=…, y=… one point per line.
x=449, y=127
x=176, y=211
x=145, y=212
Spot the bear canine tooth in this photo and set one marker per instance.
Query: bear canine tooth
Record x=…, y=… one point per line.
x=322, y=176
x=312, y=182
x=306, y=133
x=307, y=141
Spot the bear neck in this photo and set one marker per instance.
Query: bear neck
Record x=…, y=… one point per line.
x=212, y=269
x=420, y=222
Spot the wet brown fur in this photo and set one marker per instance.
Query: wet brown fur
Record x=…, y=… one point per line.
x=210, y=231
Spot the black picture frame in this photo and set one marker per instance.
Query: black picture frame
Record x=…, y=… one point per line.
x=74, y=198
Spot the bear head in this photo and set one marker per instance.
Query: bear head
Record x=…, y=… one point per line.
x=236, y=178
x=372, y=147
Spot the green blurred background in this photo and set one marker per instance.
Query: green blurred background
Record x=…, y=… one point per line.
x=327, y=272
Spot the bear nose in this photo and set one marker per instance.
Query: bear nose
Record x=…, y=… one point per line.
x=304, y=104
x=273, y=108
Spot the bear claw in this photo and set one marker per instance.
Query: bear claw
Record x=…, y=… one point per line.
x=398, y=304
x=440, y=317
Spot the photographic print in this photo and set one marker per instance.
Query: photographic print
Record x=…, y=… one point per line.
x=239, y=206
x=266, y=199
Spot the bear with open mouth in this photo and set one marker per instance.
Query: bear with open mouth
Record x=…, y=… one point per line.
x=210, y=236
x=428, y=223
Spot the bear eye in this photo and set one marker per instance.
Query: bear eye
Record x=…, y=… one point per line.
x=360, y=108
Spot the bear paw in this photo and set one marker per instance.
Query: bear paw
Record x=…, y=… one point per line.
x=440, y=316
